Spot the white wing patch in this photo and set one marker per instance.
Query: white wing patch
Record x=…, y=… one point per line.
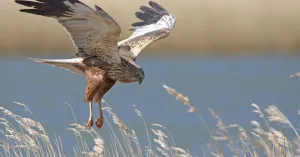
x=145, y=35
x=67, y=64
x=155, y=23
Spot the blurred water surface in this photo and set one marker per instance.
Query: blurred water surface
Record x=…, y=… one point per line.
x=227, y=84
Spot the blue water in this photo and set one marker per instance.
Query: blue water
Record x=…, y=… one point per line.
x=229, y=85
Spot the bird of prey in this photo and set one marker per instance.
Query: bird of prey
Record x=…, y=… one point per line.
x=100, y=56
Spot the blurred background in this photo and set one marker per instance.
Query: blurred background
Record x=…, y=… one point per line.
x=221, y=54
x=204, y=26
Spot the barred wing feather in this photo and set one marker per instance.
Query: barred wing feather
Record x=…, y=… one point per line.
x=93, y=32
x=156, y=24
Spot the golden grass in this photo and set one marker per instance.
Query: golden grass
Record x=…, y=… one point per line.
x=23, y=136
x=256, y=142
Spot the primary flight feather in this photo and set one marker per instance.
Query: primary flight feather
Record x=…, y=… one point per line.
x=100, y=57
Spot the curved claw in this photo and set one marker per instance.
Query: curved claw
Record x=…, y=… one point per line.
x=90, y=123
x=99, y=122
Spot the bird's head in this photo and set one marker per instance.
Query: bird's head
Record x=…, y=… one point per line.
x=139, y=75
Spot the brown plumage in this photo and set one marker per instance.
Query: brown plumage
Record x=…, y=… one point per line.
x=101, y=58
x=95, y=90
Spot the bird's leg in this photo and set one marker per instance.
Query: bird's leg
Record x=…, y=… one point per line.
x=90, y=122
x=99, y=121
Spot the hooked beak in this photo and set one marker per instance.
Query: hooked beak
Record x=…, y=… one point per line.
x=140, y=80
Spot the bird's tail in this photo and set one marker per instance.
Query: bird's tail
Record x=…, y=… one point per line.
x=67, y=64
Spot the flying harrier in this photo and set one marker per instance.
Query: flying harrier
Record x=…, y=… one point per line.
x=101, y=57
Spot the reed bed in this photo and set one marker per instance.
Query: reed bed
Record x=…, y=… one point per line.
x=25, y=136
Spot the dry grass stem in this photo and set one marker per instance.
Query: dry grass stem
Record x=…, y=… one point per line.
x=275, y=115
x=180, y=97
x=24, y=136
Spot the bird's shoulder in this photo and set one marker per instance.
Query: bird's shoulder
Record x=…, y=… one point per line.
x=125, y=60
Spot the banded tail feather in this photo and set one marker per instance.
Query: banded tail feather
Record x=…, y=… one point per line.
x=67, y=64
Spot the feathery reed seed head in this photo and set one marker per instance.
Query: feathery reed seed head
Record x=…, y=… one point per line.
x=180, y=97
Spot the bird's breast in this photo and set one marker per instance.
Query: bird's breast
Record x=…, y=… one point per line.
x=95, y=73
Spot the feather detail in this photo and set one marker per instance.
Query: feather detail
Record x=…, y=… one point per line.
x=67, y=64
x=156, y=24
x=94, y=32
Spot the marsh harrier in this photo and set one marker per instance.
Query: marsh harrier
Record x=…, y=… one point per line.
x=100, y=56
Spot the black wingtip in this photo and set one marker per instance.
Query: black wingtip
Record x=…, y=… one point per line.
x=19, y=2
x=142, y=16
x=29, y=3
x=33, y=11
x=158, y=7
x=24, y=10
x=136, y=24
x=152, y=2
x=49, y=8
x=149, y=11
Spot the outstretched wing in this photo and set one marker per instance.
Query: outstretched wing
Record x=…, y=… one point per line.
x=93, y=32
x=156, y=23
